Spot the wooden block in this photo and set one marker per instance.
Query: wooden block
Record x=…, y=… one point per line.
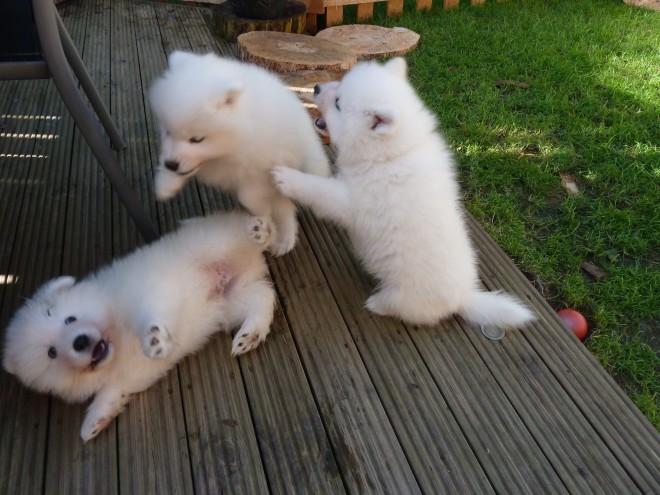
x=316, y=7
x=329, y=3
x=424, y=4
x=334, y=15
x=394, y=7
x=311, y=25
x=365, y=11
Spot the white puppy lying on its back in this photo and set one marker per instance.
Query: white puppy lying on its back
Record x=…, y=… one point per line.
x=397, y=196
x=116, y=332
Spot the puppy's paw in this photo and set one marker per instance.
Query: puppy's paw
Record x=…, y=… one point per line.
x=167, y=184
x=376, y=304
x=92, y=426
x=157, y=342
x=285, y=179
x=261, y=230
x=246, y=340
x=284, y=243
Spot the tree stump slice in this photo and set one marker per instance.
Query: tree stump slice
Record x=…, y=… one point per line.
x=368, y=41
x=229, y=26
x=287, y=52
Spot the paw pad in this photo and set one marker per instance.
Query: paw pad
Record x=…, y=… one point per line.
x=156, y=343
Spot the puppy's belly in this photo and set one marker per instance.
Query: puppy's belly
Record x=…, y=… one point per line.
x=219, y=277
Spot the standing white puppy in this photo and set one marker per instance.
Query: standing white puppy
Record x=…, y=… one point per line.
x=115, y=332
x=397, y=195
x=228, y=123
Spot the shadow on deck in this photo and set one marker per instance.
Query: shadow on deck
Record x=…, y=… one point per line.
x=337, y=400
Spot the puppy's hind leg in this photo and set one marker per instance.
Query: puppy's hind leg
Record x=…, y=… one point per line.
x=107, y=404
x=261, y=230
x=258, y=307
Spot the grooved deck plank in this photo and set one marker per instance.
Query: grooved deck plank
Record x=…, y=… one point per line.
x=86, y=245
x=614, y=418
x=440, y=456
x=35, y=189
x=369, y=455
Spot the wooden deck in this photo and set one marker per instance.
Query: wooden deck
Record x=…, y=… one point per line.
x=337, y=400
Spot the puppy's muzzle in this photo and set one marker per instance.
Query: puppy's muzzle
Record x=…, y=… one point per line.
x=80, y=343
x=99, y=352
x=171, y=165
x=174, y=166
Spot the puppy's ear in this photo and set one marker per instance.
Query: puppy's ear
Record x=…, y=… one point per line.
x=383, y=120
x=178, y=57
x=397, y=66
x=54, y=286
x=229, y=92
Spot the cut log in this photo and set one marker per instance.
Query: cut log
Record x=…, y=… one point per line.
x=229, y=26
x=286, y=52
x=368, y=41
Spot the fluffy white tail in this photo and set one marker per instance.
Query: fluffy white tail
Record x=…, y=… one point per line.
x=496, y=308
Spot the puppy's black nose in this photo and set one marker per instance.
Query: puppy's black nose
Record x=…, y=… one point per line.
x=80, y=343
x=171, y=165
x=317, y=89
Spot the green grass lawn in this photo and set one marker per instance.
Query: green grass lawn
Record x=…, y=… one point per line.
x=592, y=110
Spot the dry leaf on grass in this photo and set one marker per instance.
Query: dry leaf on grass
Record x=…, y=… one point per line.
x=569, y=183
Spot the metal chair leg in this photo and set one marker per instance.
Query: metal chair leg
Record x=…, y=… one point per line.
x=93, y=95
x=45, y=19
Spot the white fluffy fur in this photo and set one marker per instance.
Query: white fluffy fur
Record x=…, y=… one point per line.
x=150, y=309
x=397, y=195
x=247, y=121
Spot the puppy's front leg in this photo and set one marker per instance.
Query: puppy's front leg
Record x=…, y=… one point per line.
x=107, y=404
x=326, y=196
x=257, y=318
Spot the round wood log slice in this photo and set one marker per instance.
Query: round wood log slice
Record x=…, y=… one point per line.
x=287, y=52
x=229, y=26
x=368, y=41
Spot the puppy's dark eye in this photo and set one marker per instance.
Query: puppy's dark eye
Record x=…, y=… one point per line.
x=196, y=140
x=70, y=319
x=337, y=104
x=52, y=353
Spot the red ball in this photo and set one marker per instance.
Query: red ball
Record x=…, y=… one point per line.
x=574, y=321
